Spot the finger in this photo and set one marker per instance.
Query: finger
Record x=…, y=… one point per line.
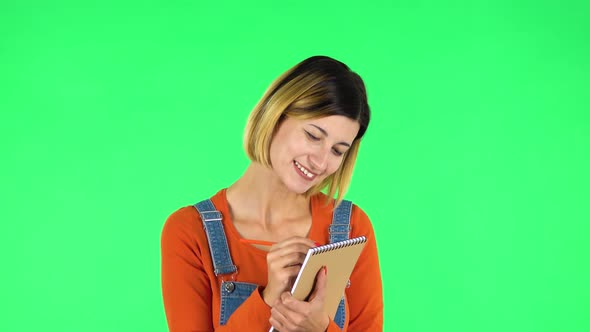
x=294, y=247
x=294, y=240
x=299, y=248
x=289, y=312
x=286, y=276
x=278, y=326
x=321, y=282
x=295, y=258
x=279, y=320
x=276, y=263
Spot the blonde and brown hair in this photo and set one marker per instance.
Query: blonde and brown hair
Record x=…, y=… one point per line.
x=317, y=87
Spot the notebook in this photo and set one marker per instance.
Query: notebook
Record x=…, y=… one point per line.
x=340, y=259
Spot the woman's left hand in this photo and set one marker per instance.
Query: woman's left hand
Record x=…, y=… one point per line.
x=292, y=315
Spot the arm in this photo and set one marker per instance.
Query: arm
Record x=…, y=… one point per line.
x=365, y=295
x=186, y=282
x=290, y=314
x=365, y=303
x=253, y=313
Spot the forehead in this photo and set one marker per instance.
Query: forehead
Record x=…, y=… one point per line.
x=336, y=126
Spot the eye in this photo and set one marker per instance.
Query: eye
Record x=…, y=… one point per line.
x=311, y=137
x=336, y=152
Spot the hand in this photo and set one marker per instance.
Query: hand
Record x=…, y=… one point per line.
x=284, y=262
x=292, y=315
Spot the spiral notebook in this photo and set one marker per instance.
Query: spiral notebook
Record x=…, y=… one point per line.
x=340, y=259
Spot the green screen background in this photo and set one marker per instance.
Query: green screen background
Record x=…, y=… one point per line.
x=474, y=170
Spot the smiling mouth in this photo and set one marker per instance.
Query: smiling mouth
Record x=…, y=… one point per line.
x=304, y=171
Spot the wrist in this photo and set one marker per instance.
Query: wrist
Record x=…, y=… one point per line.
x=266, y=297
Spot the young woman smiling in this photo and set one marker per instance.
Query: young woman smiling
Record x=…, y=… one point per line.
x=228, y=262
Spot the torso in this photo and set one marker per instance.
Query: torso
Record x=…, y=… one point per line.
x=252, y=230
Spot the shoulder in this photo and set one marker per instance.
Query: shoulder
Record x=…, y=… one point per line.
x=184, y=226
x=184, y=217
x=183, y=236
x=182, y=223
x=187, y=219
x=359, y=214
x=359, y=220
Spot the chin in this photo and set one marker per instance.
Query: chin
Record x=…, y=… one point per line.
x=298, y=188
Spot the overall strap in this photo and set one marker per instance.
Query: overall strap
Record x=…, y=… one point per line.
x=222, y=262
x=339, y=231
x=340, y=227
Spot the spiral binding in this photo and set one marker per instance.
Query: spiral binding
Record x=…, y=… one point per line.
x=338, y=245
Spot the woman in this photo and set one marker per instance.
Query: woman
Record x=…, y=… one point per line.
x=228, y=262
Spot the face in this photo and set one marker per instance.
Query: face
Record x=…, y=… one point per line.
x=305, y=152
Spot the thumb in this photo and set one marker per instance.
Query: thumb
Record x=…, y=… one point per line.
x=321, y=282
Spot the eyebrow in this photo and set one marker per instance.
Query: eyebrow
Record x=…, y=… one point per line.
x=326, y=134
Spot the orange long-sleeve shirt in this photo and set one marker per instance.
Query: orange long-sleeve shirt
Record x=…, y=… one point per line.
x=191, y=290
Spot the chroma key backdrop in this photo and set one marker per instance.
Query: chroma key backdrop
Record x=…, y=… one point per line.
x=475, y=169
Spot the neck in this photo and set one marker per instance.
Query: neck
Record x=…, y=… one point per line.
x=260, y=196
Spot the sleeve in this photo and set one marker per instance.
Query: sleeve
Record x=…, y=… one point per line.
x=365, y=295
x=253, y=313
x=333, y=327
x=186, y=287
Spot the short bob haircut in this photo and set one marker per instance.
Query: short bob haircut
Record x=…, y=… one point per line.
x=317, y=87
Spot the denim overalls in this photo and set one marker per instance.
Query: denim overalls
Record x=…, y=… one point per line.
x=234, y=293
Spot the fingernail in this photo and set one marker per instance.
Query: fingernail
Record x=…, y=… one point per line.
x=326, y=270
x=316, y=244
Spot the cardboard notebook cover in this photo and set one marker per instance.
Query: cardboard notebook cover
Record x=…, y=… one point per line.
x=340, y=259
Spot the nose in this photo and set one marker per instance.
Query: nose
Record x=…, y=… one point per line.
x=319, y=160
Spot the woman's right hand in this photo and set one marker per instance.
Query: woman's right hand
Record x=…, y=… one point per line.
x=284, y=261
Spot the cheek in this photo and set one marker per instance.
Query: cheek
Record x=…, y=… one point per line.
x=282, y=153
x=292, y=148
x=333, y=166
x=278, y=146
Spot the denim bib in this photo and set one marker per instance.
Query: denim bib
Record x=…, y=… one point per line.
x=234, y=293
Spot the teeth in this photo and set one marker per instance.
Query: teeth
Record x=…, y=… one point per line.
x=305, y=171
